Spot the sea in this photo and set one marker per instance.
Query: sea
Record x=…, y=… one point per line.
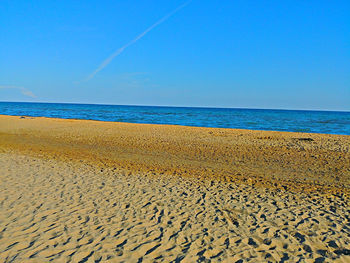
x=329, y=122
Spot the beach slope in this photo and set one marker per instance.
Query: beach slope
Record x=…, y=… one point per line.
x=87, y=191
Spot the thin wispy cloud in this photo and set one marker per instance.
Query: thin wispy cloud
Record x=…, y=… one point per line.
x=68, y=28
x=134, y=79
x=120, y=50
x=23, y=90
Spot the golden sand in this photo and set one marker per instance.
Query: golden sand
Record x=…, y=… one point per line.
x=89, y=191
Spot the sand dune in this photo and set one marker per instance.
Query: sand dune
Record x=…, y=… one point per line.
x=144, y=193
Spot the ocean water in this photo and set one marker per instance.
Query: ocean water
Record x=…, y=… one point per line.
x=331, y=122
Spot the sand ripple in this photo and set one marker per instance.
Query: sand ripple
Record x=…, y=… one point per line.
x=61, y=211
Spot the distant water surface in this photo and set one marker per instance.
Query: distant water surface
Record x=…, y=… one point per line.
x=331, y=122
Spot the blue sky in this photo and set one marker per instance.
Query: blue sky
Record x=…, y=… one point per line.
x=250, y=54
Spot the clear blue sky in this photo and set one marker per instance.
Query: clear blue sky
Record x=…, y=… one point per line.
x=254, y=54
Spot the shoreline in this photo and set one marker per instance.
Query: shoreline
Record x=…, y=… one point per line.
x=183, y=125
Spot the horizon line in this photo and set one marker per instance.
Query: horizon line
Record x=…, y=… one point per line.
x=173, y=106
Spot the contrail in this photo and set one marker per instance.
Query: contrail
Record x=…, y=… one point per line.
x=120, y=50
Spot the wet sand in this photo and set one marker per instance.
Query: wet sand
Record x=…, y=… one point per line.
x=89, y=191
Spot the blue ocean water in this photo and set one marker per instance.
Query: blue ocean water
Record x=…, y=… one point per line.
x=331, y=122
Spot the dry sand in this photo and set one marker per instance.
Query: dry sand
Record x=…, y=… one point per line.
x=87, y=191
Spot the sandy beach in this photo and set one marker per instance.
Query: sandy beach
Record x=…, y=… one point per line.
x=89, y=191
